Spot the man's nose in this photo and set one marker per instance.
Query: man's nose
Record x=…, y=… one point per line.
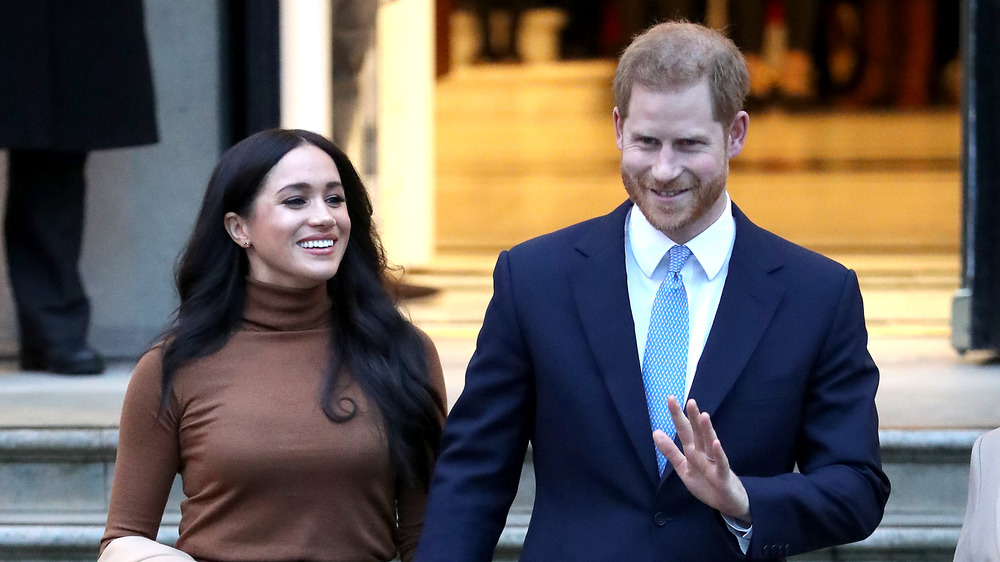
x=666, y=166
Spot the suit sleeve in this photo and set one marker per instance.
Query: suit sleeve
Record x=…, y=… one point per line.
x=839, y=494
x=485, y=438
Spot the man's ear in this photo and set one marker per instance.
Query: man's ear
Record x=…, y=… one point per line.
x=236, y=226
x=619, y=126
x=737, y=134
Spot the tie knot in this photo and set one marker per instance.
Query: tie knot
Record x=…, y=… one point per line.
x=678, y=256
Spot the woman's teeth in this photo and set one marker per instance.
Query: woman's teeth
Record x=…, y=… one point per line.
x=316, y=243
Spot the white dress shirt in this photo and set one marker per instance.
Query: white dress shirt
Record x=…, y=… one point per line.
x=704, y=275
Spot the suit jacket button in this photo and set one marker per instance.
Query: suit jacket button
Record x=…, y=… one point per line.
x=660, y=519
x=766, y=551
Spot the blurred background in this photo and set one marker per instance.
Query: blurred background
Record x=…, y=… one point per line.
x=481, y=123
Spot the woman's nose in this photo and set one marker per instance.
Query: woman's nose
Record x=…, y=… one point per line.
x=322, y=215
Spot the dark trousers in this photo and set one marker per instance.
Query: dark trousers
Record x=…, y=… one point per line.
x=483, y=8
x=638, y=15
x=43, y=230
x=746, y=19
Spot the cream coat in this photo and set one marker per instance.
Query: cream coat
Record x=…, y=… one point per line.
x=979, y=540
x=140, y=549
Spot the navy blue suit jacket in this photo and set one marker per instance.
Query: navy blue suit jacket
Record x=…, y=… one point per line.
x=785, y=375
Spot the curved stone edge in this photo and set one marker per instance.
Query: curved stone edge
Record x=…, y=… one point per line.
x=918, y=445
x=80, y=539
x=884, y=543
x=81, y=444
x=107, y=437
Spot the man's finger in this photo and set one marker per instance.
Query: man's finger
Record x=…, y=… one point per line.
x=681, y=423
x=694, y=416
x=705, y=434
x=721, y=460
x=669, y=449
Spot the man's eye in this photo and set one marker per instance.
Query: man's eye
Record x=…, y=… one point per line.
x=649, y=141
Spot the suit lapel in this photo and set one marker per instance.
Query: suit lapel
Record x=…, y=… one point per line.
x=748, y=302
x=600, y=289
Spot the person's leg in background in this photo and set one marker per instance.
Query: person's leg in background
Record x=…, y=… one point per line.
x=797, y=76
x=873, y=86
x=581, y=36
x=918, y=56
x=947, y=87
x=690, y=10
x=746, y=22
x=498, y=20
x=353, y=30
x=44, y=233
x=634, y=16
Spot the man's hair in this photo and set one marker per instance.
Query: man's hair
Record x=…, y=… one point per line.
x=678, y=54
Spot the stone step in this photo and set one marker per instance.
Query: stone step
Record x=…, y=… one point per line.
x=929, y=472
x=55, y=485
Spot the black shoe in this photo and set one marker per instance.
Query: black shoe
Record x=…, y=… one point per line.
x=82, y=361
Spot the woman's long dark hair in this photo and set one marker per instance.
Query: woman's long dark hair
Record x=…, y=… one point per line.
x=370, y=339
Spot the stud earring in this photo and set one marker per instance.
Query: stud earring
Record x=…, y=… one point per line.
x=246, y=243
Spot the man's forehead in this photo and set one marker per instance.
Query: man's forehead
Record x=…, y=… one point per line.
x=657, y=108
x=673, y=127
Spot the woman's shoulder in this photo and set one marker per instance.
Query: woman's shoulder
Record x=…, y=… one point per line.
x=142, y=397
x=429, y=347
x=151, y=361
x=435, y=373
x=424, y=338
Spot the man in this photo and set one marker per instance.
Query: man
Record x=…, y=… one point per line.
x=674, y=294
x=74, y=77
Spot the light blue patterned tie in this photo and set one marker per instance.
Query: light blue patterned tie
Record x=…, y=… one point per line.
x=664, y=364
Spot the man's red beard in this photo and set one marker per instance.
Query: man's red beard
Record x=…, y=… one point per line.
x=703, y=196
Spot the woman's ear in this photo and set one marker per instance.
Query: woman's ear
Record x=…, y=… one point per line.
x=236, y=226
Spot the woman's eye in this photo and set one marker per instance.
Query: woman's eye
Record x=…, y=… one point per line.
x=294, y=201
x=334, y=200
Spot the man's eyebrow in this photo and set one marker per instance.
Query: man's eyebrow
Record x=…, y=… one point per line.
x=696, y=136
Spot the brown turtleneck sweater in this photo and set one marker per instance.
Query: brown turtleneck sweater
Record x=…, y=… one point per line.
x=266, y=475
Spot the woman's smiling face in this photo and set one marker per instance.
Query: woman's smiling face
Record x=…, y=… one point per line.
x=298, y=226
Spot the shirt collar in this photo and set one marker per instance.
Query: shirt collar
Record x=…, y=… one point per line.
x=711, y=248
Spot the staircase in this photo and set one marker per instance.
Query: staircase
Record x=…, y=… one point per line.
x=54, y=489
x=55, y=483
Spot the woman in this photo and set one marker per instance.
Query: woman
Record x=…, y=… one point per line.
x=302, y=411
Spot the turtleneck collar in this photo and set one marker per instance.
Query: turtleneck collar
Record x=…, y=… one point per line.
x=271, y=307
